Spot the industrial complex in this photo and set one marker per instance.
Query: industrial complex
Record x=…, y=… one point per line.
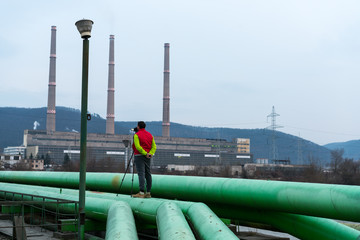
x=67, y=205
x=171, y=151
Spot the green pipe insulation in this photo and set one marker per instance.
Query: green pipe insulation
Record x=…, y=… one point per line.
x=120, y=220
x=171, y=223
x=144, y=209
x=300, y=226
x=304, y=227
x=199, y=209
x=322, y=200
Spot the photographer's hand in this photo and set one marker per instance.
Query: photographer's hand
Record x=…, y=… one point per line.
x=148, y=155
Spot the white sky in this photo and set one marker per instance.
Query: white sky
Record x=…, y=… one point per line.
x=231, y=61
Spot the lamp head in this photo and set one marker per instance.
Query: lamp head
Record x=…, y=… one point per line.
x=84, y=26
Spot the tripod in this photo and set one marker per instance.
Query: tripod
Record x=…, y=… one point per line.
x=132, y=179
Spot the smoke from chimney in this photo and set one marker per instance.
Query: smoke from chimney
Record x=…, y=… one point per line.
x=166, y=97
x=50, y=114
x=110, y=116
x=36, y=124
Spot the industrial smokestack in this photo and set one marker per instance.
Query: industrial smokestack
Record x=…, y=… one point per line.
x=50, y=114
x=110, y=117
x=166, y=98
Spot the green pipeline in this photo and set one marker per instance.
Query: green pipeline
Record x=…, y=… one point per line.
x=120, y=220
x=171, y=223
x=200, y=209
x=120, y=223
x=303, y=227
x=300, y=226
x=144, y=209
x=322, y=200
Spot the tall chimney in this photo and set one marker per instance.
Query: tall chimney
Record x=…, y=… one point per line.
x=50, y=114
x=166, y=98
x=110, y=117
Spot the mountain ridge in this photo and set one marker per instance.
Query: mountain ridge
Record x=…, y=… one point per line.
x=13, y=122
x=351, y=148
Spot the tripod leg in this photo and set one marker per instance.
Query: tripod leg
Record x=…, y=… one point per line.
x=127, y=168
x=132, y=179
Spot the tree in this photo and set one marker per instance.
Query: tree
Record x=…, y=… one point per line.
x=47, y=160
x=31, y=156
x=66, y=159
x=349, y=171
x=336, y=159
x=66, y=163
x=22, y=165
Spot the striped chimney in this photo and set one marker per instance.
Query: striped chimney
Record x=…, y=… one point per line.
x=166, y=98
x=51, y=111
x=110, y=117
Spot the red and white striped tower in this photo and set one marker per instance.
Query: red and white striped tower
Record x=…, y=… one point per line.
x=110, y=116
x=51, y=111
x=166, y=97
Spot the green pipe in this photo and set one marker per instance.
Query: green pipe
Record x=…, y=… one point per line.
x=171, y=223
x=322, y=200
x=303, y=227
x=144, y=209
x=300, y=226
x=199, y=209
x=120, y=220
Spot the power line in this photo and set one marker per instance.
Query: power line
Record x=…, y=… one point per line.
x=228, y=124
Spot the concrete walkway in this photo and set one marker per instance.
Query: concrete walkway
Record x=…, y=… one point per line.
x=32, y=232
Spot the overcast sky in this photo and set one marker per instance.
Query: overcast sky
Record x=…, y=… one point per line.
x=230, y=61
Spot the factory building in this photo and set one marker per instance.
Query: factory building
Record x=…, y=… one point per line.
x=178, y=151
x=20, y=150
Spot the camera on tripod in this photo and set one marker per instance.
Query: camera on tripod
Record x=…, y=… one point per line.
x=135, y=129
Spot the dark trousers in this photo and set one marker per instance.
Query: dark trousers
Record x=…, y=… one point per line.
x=143, y=168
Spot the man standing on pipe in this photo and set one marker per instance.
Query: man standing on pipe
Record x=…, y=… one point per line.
x=144, y=148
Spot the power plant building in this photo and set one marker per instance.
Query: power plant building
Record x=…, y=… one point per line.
x=174, y=150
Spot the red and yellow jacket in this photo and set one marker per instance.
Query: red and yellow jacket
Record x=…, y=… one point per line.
x=143, y=143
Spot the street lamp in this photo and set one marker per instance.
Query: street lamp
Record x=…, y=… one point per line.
x=84, y=26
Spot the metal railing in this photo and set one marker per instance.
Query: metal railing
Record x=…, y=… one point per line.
x=39, y=211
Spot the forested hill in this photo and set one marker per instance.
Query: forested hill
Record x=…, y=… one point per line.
x=13, y=122
x=351, y=148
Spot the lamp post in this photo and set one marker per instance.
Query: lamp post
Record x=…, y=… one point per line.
x=84, y=26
